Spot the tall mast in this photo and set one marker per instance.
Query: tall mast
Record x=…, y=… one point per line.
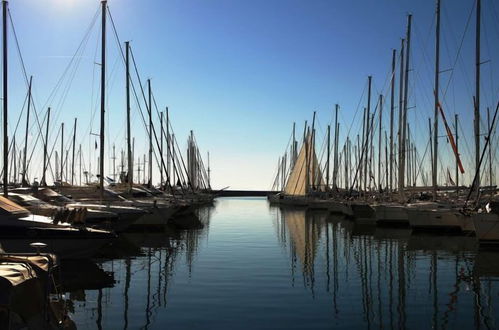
x=128, y=130
x=24, y=182
x=366, y=146
x=361, y=161
x=379, y=139
x=293, y=147
x=149, y=181
x=14, y=162
x=174, y=173
x=5, y=103
x=62, y=152
x=161, y=167
x=387, y=185
x=73, y=156
x=102, y=99
x=490, y=149
x=435, y=119
x=328, y=153
x=209, y=171
x=114, y=162
x=44, y=179
x=168, y=153
x=477, y=90
x=392, y=106
x=144, y=170
x=406, y=89
x=79, y=154
x=336, y=132
x=457, y=151
x=400, y=183
x=432, y=154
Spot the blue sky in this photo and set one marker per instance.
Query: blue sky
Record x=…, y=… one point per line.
x=239, y=73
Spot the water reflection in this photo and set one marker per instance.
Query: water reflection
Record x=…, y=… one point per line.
x=392, y=278
x=252, y=267
x=130, y=280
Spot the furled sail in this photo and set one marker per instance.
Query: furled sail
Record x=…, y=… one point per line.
x=306, y=175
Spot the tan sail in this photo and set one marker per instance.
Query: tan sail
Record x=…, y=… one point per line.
x=297, y=184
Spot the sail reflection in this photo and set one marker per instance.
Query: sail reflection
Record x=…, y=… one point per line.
x=393, y=272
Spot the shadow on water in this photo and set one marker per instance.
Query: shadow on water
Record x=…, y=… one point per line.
x=400, y=280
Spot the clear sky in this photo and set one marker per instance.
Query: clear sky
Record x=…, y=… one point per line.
x=239, y=73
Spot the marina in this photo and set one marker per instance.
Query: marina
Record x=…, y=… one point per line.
x=382, y=211
x=314, y=270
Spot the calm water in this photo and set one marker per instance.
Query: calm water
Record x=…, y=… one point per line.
x=256, y=267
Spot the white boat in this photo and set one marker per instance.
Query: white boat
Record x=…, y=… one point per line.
x=19, y=228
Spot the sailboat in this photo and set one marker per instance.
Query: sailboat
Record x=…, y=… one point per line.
x=305, y=182
x=18, y=227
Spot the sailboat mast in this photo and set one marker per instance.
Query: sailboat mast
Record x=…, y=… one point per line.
x=392, y=106
x=379, y=139
x=114, y=162
x=149, y=181
x=128, y=130
x=400, y=183
x=366, y=146
x=490, y=149
x=24, y=182
x=168, y=153
x=44, y=179
x=5, y=103
x=404, y=119
x=62, y=152
x=336, y=132
x=209, y=171
x=102, y=99
x=73, y=155
x=293, y=147
x=161, y=167
x=457, y=150
x=477, y=89
x=79, y=154
x=328, y=153
x=435, y=119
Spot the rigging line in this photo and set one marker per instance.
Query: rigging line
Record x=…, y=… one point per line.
x=34, y=149
x=477, y=172
x=24, y=69
x=489, y=53
x=459, y=49
x=9, y=150
x=142, y=115
x=86, y=35
x=154, y=131
x=357, y=109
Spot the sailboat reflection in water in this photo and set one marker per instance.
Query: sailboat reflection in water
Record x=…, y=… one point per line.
x=382, y=276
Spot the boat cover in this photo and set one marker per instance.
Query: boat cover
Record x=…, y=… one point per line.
x=9, y=207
